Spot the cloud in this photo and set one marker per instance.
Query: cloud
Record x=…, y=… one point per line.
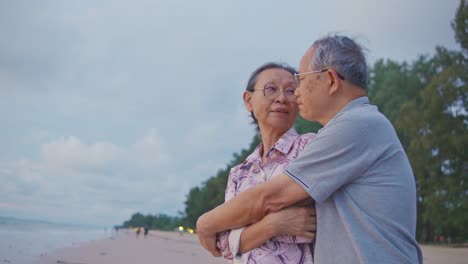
x=150, y=150
x=112, y=107
x=102, y=180
x=71, y=152
x=5, y=205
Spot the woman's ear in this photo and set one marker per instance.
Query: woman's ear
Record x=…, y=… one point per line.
x=247, y=96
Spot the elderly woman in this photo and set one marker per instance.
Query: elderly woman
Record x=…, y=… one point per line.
x=284, y=236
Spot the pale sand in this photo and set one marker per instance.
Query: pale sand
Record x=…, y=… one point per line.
x=171, y=247
x=125, y=248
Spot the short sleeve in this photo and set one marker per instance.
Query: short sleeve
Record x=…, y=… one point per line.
x=234, y=240
x=223, y=239
x=231, y=187
x=222, y=243
x=337, y=156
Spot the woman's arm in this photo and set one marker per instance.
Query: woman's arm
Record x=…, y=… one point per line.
x=248, y=207
x=292, y=221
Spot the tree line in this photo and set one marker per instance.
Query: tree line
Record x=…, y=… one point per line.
x=426, y=101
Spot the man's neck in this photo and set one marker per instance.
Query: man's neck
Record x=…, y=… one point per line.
x=350, y=93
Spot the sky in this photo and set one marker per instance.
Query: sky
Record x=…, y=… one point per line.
x=108, y=108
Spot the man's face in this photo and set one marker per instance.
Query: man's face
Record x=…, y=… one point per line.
x=312, y=93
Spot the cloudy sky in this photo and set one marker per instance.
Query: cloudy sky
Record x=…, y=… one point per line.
x=113, y=107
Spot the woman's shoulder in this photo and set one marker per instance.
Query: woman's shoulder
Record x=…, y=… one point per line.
x=308, y=135
x=240, y=169
x=299, y=143
x=303, y=139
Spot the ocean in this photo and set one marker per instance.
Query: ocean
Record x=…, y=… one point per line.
x=22, y=241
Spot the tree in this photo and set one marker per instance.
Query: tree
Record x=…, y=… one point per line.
x=160, y=221
x=211, y=193
x=460, y=25
x=436, y=124
x=304, y=126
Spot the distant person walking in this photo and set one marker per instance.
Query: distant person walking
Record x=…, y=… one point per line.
x=138, y=231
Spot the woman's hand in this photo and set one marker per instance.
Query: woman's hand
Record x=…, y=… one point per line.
x=294, y=221
x=307, y=202
x=206, y=237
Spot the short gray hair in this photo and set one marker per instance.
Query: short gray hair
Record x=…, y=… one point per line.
x=343, y=55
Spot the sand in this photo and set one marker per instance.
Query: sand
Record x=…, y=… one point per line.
x=126, y=248
x=172, y=247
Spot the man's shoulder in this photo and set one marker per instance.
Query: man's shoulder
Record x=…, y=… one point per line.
x=363, y=117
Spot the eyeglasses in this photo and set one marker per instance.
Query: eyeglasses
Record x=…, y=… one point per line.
x=271, y=92
x=298, y=80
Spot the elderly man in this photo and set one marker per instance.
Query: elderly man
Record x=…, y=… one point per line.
x=355, y=169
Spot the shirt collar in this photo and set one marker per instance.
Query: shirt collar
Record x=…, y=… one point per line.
x=355, y=103
x=360, y=101
x=283, y=145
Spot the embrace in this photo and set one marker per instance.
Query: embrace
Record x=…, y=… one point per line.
x=344, y=195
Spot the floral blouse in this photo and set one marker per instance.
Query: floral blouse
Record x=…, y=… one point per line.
x=280, y=249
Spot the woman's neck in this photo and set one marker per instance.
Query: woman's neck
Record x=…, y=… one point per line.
x=269, y=138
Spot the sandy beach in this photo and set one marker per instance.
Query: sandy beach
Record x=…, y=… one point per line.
x=125, y=247
x=171, y=247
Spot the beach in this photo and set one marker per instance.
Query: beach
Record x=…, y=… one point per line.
x=172, y=247
x=124, y=247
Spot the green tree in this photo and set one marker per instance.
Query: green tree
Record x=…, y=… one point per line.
x=211, y=193
x=136, y=220
x=304, y=126
x=460, y=25
x=436, y=123
x=160, y=221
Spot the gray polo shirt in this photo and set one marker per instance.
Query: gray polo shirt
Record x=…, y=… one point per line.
x=360, y=177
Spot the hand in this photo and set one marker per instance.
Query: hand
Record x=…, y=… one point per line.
x=207, y=238
x=307, y=202
x=295, y=221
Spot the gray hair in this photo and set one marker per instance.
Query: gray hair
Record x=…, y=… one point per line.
x=343, y=55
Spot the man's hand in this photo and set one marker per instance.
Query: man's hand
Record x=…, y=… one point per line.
x=294, y=221
x=206, y=237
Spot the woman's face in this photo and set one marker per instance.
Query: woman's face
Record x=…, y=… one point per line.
x=276, y=111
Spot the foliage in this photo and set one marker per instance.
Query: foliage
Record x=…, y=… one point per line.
x=436, y=122
x=160, y=222
x=460, y=25
x=211, y=193
x=303, y=126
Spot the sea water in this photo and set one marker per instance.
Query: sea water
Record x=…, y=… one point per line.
x=23, y=241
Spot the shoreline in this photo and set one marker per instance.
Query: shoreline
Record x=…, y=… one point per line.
x=173, y=247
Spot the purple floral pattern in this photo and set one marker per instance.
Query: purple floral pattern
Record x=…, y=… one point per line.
x=280, y=249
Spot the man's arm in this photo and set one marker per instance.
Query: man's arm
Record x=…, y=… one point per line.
x=248, y=207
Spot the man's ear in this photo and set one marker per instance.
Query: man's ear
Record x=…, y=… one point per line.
x=334, y=82
x=247, y=96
